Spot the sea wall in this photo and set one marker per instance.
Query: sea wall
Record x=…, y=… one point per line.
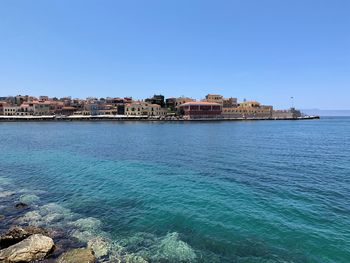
x=138, y=118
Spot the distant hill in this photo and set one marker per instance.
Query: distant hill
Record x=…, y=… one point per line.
x=326, y=112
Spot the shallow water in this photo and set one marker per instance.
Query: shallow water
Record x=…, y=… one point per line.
x=263, y=191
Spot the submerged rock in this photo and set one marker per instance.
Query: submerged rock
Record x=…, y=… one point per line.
x=53, y=213
x=134, y=259
x=2, y=217
x=35, y=247
x=83, y=236
x=172, y=249
x=101, y=246
x=16, y=234
x=79, y=255
x=31, y=217
x=51, y=208
x=47, y=215
x=54, y=217
x=125, y=258
x=29, y=198
x=21, y=205
x=87, y=224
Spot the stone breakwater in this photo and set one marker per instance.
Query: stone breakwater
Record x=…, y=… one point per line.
x=32, y=231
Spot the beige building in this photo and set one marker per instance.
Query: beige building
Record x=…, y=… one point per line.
x=214, y=98
x=230, y=102
x=41, y=108
x=140, y=108
x=182, y=100
x=248, y=109
x=10, y=110
x=25, y=109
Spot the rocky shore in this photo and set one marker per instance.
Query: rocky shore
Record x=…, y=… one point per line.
x=28, y=243
x=50, y=233
x=36, y=235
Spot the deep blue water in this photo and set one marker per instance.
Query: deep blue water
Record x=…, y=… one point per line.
x=259, y=191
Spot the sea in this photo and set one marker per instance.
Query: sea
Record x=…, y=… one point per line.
x=230, y=191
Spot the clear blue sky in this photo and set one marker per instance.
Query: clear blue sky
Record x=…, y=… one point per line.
x=268, y=50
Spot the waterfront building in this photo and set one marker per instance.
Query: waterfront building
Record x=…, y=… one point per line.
x=156, y=99
x=41, y=108
x=215, y=98
x=135, y=109
x=248, y=109
x=229, y=102
x=170, y=103
x=66, y=101
x=26, y=108
x=43, y=98
x=10, y=110
x=55, y=107
x=118, y=104
x=200, y=109
x=107, y=110
x=141, y=108
x=68, y=110
x=3, y=104
x=90, y=108
x=182, y=100
x=19, y=99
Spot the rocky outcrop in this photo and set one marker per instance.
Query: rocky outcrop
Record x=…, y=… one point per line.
x=16, y=234
x=79, y=255
x=35, y=247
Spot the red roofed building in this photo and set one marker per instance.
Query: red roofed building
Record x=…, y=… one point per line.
x=201, y=109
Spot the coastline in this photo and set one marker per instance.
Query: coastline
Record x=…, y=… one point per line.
x=138, y=118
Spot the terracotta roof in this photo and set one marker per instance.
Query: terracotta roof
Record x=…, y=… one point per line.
x=200, y=103
x=68, y=108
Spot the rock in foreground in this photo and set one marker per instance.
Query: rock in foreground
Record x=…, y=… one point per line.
x=35, y=247
x=16, y=234
x=79, y=255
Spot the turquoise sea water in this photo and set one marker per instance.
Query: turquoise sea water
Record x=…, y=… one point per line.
x=260, y=191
